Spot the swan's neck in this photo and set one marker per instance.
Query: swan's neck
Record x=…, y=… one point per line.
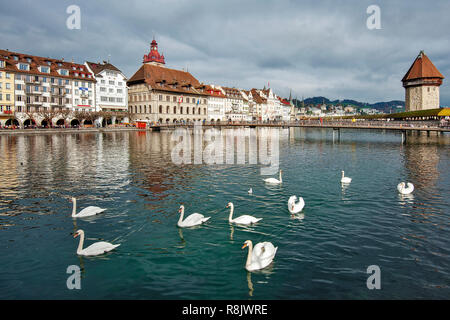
x=80, y=245
x=74, y=210
x=181, y=216
x=280, y=177
x=230, y=217
x=249, y=256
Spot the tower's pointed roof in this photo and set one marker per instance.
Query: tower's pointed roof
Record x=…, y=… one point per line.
x=422, y=68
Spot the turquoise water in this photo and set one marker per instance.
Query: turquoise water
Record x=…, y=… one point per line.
x=323, y=253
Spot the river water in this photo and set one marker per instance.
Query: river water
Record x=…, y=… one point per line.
x=323, y=253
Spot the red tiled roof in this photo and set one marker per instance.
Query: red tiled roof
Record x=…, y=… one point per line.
x=99, y=67
x=35, y=62
x=422, y=68
x=166, y=79
x=257, y=98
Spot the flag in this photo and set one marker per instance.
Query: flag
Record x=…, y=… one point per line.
x=198, y=101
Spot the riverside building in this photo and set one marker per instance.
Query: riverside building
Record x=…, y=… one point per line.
x=157, y=93
x=421, y=84
x=111, y=90
x=46, y=91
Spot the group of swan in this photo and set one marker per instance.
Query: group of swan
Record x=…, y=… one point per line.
x=196, y=219
x=402, y=187
x=96, y=248
x=258, y=257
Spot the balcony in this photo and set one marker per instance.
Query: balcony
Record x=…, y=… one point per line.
x=6, y=112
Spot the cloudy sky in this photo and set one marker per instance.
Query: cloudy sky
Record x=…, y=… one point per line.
x=314, y=48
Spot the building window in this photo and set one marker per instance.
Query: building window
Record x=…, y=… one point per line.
x=24, y=66
x=175, y=110
x=167, y=109
x=160, y=108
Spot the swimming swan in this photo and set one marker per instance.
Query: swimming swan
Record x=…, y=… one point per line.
x=405, y=190
x=86, y=212
x=244, y=220
x=191, y=220
x=294, y=207
x=260, y=256
x=345, y=179
x=95, y=248
x=273, y=180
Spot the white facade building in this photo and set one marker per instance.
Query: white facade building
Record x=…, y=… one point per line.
x=111, y=92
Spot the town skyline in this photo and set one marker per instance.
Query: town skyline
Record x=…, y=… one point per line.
x=340, y=58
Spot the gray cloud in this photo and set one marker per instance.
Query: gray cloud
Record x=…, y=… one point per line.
x=310, y=47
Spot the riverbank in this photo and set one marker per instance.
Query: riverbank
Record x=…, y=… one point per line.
x=65, y=130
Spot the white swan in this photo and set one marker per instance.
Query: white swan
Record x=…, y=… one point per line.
x=405, y=190
x=244, y=220
x=295, y=207
x=273, y=180
x=86, y=212
x=95, y=248
x=192, y=220
x=345, y=179
x=260, y=256
x=250, y=191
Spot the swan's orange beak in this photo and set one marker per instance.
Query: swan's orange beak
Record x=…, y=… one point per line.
x=227, y=206
x=245, y=245
x=75, y=235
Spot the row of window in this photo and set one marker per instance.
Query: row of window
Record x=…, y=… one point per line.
x=7, y=85
x=111, y=99
x=139, y=98
x=29, y=99
x=6, y=96
x=112, y=82
x=167, y=109
x=111, y=90
x=7, y=75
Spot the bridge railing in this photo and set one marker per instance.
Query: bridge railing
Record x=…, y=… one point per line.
x=327, y=123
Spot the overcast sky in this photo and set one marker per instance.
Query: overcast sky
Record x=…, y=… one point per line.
x=314, y=48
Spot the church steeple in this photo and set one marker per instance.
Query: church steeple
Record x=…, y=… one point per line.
x=154, y=57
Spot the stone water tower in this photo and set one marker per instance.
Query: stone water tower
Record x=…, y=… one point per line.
x=421, y=83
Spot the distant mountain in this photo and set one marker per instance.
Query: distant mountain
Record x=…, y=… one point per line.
x=383, y=106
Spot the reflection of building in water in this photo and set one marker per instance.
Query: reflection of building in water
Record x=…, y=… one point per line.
x=422, y=160
x=9, y=181
x=150, y=158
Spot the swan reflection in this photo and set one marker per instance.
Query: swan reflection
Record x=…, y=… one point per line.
x=406, y=198
x=297, y=216
x=264, y=272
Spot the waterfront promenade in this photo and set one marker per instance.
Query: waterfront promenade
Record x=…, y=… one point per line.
x=400, y=126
